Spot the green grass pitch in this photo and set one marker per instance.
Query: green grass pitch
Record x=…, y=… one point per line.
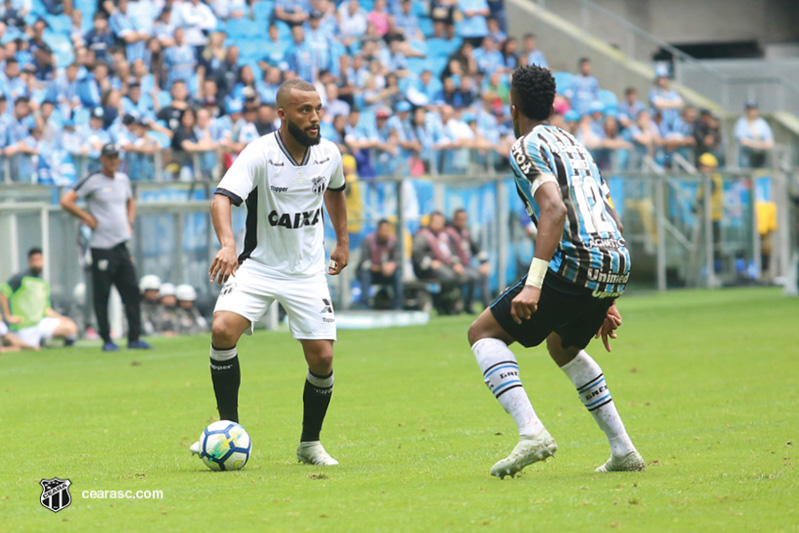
x=707, y=384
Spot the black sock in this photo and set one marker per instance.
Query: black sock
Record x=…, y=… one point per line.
x=315, y=399
x=226, y=376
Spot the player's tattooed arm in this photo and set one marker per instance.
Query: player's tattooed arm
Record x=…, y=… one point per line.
x=226, y=261
x=336, y=204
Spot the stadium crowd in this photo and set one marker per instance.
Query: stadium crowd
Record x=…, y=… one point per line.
x=408, y=87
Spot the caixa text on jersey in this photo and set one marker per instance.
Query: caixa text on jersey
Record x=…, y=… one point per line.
x=295, y=220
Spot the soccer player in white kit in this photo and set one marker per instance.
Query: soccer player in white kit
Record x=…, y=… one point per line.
x=283, y=178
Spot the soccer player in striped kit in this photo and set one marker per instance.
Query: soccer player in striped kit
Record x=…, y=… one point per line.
x=581, y=265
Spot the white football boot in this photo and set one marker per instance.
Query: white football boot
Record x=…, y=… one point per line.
x=628, y=463
x=312, y=453
x=195, y=448
x=529, y=450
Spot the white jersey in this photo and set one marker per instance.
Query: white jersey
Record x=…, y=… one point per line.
x=285, y=229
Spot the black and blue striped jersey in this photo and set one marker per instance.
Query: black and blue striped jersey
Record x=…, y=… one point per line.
x=592, y=251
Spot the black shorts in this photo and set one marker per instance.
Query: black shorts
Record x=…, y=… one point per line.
x=565, y=308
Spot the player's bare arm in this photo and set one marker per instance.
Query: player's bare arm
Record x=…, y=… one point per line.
x=336, y=204
x=226, y=261
x=550, y=232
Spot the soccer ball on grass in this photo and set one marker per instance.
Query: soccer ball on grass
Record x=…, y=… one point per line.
x=225, y=445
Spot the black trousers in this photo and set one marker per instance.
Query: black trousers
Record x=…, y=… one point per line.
x=114, y=266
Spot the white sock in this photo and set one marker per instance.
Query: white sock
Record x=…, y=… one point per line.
x=587, y=377
x=501, y=374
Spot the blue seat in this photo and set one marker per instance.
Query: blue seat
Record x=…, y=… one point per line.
x=426, y=25
x=59, y=23
x=608, y=98
x=263, y=10
x=563, y=80
x=437, y=65
x=417, y=65
x=243, y=27
x=438, y=47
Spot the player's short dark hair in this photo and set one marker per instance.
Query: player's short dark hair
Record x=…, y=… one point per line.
x=458, y=211
x=34, y=251
x=285, y=88
x=629, y=90
x=382, y=221
x=583, y=60
x=535, y=87
x=22, y=100
x=528, y=35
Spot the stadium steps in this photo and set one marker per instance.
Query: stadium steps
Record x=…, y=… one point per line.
x=564, y=41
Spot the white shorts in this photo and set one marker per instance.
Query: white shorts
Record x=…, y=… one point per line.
x=3, y=329
x=306, y=300
x=44, y=330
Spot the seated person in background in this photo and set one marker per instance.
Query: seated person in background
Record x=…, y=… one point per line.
x=466, y=248
x=167, y=320
x=434, y=259
x=754, y=137
x=150, y=304
x=10, y=342
x=379, y=262
x=190, y=321
x=25, y=300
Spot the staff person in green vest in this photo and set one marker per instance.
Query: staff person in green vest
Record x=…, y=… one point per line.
x=25, y=300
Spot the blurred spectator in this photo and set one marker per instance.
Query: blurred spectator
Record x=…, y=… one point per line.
x=190, y=321
x=584, y=89
x=351, y=21
x=163, y=29
x=708, y=135
x=197, y=19
x=645, y=137
x=379, y=17
x=379, y=264
x=149, y=286
x=267, y=116
x=91, y=87
x=167, y=320
x=180, y=60
x=171, y=114
x=494, y=31
x=100, y=38
x=707, y=165
x=754, y=138
x=25, y=300
x=630, y=107
x=186, y=143
x=127, y=32
x=510, y=56
x=139, y=148
x=474, y=27
x=497, y=8
x=443, y=14
x=407, y=21
x=467, y=250
x=229, y=9
x=292, y=12
x=13, y=86
x=93, y=137
x=434, y=259
x=212, y=56
x=665, y=99
x=300, y=57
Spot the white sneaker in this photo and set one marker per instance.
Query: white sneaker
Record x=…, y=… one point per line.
x=312, y=453
x=628, y=463
x=529, y=450
x=195, y=448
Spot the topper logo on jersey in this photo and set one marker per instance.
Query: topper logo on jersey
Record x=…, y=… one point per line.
x=322, y=162
x=296, y=220
x=277, y=163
